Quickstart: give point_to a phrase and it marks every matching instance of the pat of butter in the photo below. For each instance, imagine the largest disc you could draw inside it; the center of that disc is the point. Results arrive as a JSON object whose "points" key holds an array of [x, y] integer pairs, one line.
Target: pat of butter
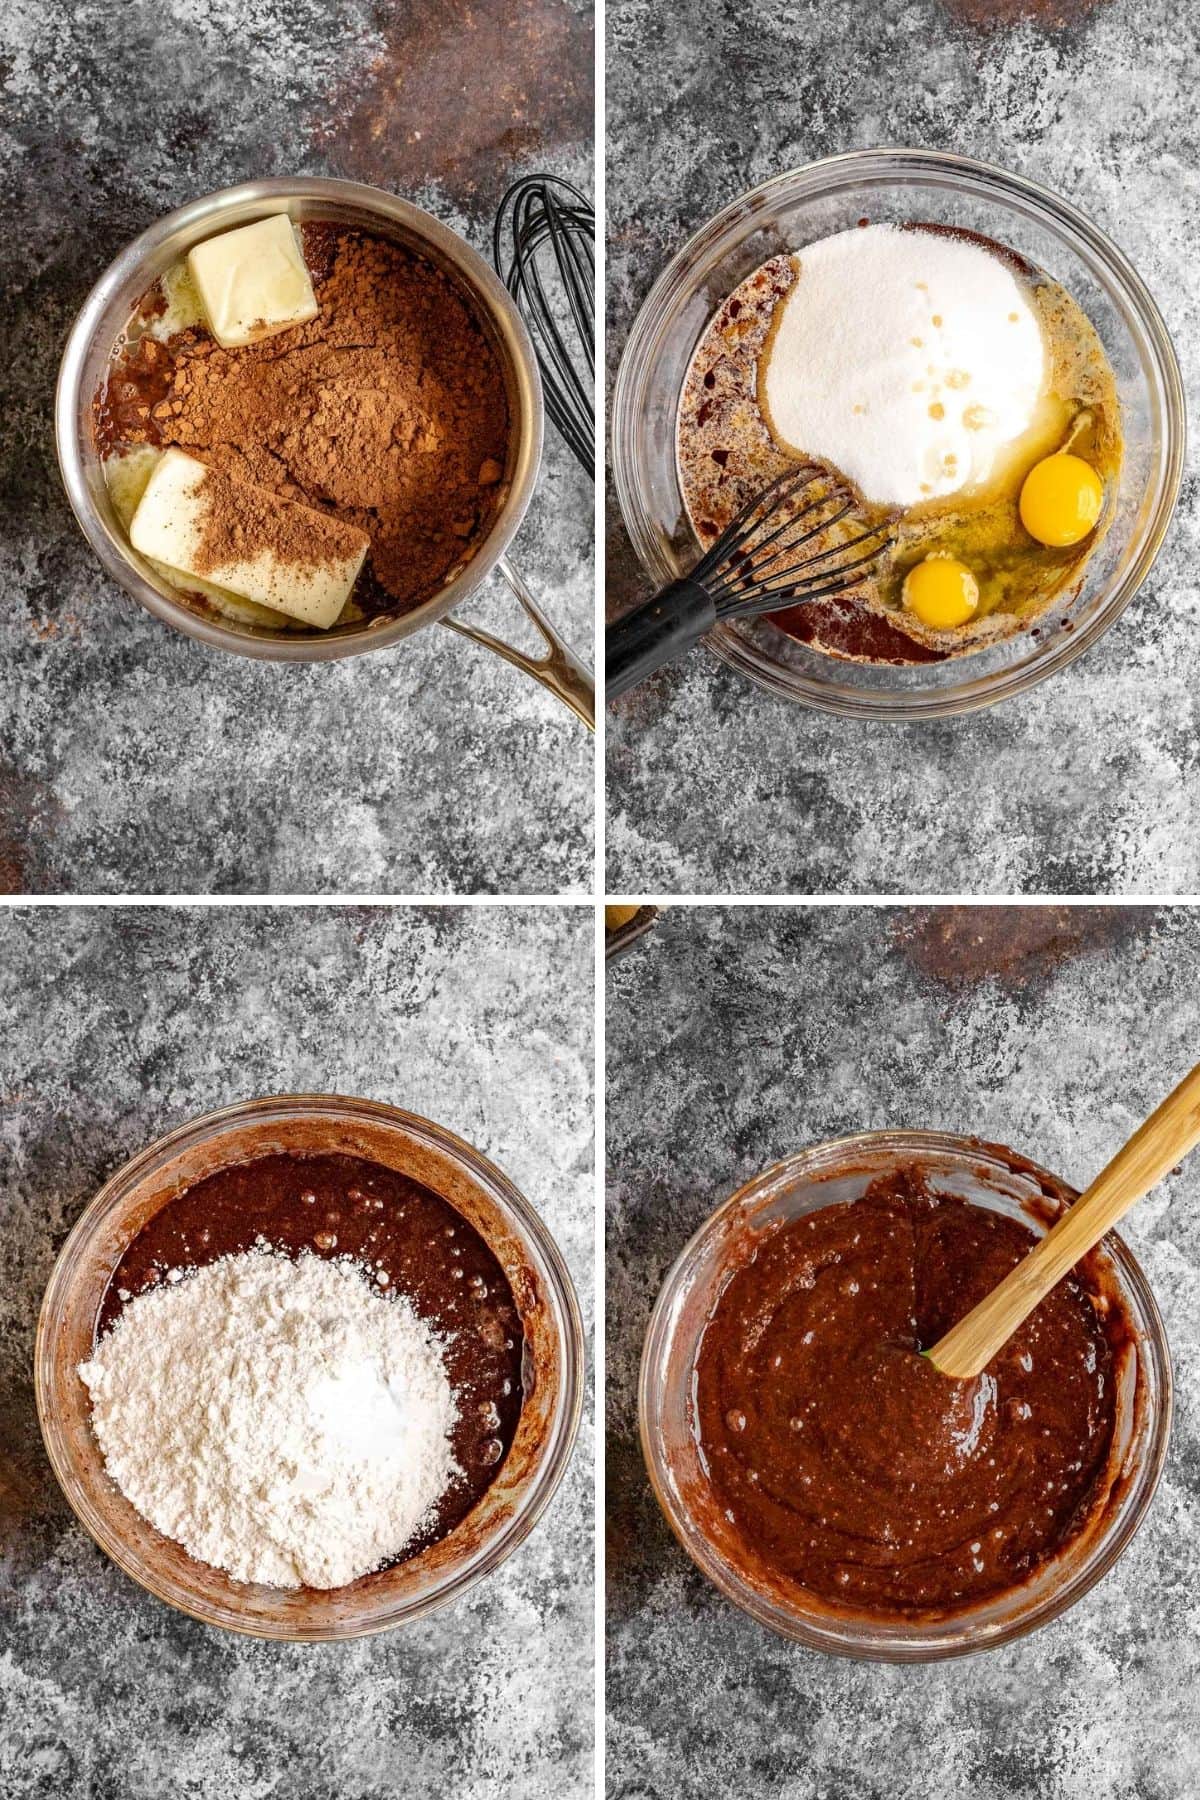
{"points": [[253, 282], [173, 522]]}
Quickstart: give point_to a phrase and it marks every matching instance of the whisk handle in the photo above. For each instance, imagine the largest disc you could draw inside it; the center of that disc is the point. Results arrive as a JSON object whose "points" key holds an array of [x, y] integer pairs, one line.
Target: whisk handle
{"points": [[655, 634]]}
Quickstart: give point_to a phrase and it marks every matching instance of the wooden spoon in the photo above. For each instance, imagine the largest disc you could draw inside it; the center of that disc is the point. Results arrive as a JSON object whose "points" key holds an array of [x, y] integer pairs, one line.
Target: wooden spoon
{"points": [[1168, 1134]]}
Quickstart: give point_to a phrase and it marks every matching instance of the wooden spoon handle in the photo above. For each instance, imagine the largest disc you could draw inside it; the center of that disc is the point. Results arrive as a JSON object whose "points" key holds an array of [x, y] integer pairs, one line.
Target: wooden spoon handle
{"points": [[1167, 1135]]}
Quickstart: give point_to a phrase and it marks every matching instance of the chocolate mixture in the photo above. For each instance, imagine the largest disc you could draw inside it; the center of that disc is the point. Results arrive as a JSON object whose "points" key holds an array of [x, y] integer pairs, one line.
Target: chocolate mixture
{"points": [[847, 1465], [345, 1206], [388, 410]]}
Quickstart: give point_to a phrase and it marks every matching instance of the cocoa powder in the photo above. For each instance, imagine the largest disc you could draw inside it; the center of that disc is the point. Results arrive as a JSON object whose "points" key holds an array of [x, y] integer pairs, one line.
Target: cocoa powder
{"points": [[389, 410], [240, 520]]}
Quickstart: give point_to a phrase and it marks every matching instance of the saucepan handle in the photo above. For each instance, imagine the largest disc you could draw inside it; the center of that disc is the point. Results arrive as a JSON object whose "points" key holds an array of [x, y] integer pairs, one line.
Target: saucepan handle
{"points": [[559, 669]]}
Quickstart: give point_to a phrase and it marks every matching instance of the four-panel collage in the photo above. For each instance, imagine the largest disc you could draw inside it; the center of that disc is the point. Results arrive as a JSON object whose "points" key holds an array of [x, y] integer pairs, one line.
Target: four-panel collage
{"points": [[635, 1247]]}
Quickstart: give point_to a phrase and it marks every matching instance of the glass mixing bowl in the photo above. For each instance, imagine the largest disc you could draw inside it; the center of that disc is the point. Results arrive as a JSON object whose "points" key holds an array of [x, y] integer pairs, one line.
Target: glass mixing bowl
{"points": [[987, 1175], [324, 1124], [894, 186]]}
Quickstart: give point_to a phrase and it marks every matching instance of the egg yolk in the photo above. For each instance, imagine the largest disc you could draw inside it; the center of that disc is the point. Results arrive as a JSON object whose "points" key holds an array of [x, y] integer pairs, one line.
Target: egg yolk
{"points": [[941, 591], [616, 916], [1061, 499]]}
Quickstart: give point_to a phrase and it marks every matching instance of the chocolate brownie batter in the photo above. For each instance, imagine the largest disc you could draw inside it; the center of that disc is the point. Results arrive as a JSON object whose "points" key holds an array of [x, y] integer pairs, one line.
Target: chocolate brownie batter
{"points": [[848, 1466], [337, 1206]]}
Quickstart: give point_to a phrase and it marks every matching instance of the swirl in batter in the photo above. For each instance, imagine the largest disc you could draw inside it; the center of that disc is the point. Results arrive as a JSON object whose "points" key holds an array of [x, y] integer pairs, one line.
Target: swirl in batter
{"points": [[845, 1464]]}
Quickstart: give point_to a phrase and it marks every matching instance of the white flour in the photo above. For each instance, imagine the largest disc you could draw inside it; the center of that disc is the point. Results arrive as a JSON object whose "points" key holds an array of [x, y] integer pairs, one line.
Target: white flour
{"points": [[282, 1420]]}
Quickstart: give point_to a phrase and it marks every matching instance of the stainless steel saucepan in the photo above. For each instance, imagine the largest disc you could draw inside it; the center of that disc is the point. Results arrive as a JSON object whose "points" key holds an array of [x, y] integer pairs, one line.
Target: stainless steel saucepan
{"points": [[105, 314]]}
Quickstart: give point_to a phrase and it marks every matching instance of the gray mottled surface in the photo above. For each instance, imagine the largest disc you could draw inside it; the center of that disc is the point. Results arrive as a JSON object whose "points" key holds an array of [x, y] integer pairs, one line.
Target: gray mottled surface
{"points": [[118, 1024], [131, 759], [1087, 784], [738, 1035]]}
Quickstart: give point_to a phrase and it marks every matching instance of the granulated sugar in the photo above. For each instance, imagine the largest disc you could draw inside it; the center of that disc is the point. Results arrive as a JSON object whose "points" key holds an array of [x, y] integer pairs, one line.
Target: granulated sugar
{"points": [[906, 359], [281, 1419]]}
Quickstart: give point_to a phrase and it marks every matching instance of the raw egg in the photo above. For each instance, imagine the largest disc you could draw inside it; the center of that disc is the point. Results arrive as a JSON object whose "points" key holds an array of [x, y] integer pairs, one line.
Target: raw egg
{"points": [[941, 591], [1061, 499]]}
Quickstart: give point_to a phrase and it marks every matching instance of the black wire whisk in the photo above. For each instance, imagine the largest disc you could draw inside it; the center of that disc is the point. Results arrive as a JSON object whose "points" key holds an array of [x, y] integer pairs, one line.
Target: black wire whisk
{"points": [[543, 245], [803, 538]]}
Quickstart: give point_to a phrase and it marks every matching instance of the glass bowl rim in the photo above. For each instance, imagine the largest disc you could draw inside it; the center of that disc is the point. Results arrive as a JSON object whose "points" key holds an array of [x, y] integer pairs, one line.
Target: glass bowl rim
{"points": [[561, 1297], [832, 174], [858, 1643]]}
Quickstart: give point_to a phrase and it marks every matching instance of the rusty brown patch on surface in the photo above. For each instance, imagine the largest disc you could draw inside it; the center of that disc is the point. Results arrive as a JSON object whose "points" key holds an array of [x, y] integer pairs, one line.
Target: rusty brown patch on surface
{"points": [[28, 815], [1051, 15], [463, 90], [1014, 945], [20, 1496]]}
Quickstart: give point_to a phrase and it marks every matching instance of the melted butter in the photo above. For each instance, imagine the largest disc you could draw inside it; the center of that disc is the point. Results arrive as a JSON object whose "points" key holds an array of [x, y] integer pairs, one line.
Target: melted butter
{"points": [[183, 304]]}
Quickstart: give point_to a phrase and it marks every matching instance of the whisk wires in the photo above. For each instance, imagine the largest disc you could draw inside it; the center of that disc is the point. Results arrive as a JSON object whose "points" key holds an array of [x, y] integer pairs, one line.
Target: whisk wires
{"points": [[543, 245], [801, 538]]}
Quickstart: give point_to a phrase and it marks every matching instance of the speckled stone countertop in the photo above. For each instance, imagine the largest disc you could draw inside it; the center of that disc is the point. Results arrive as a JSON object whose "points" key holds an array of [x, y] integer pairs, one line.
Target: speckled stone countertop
{"points": [[133, 760], [116, 1025], [1086, 784], [736, 1035]]}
